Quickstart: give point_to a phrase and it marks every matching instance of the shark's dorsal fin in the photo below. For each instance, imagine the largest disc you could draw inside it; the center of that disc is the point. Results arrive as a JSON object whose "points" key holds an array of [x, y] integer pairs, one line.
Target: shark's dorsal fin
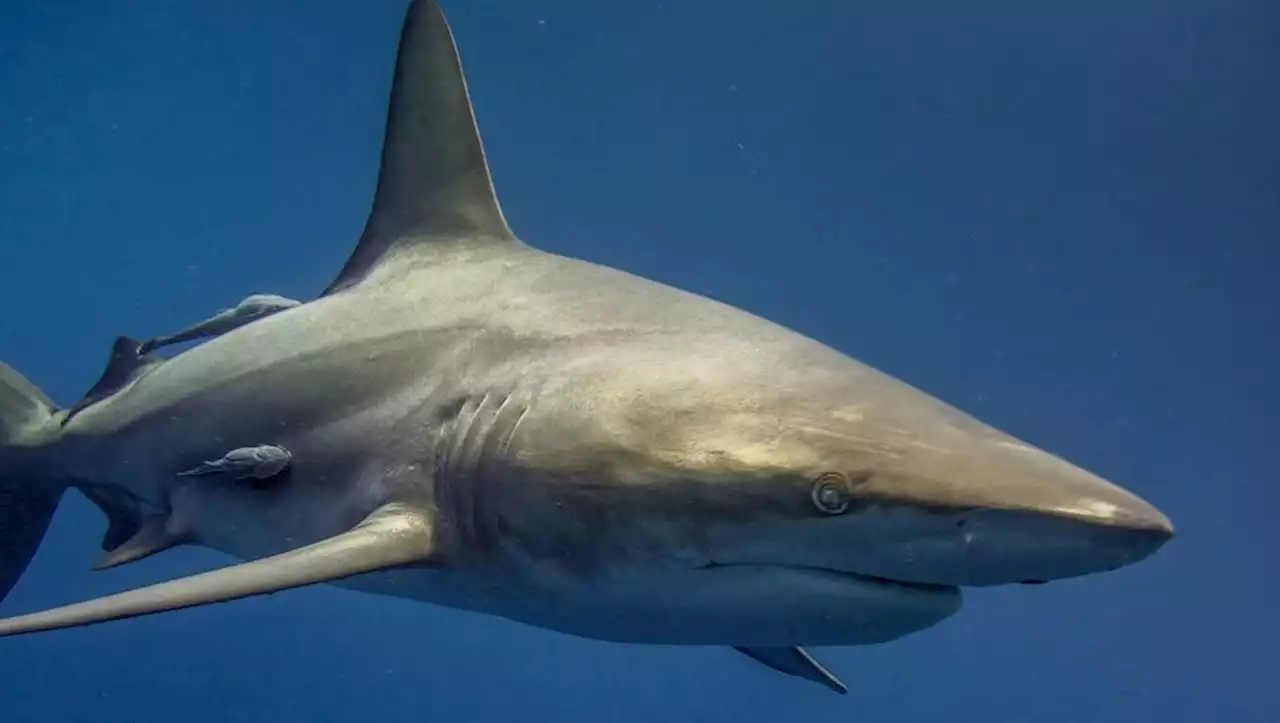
{"points": [[126, 364], [393, 535], [434, 185]]}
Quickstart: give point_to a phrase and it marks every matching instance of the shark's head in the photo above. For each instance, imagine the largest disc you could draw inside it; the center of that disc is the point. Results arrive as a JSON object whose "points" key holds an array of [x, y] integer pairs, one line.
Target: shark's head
{"points": [[772, 450]]}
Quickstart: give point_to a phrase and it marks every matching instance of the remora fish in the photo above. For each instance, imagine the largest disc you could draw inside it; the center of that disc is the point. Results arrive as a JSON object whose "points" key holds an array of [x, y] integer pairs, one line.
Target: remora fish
{"points": [[475, 423]]}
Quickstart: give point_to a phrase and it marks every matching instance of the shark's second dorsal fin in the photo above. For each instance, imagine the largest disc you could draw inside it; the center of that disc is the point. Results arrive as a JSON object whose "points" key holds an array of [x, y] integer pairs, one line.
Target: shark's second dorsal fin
{"points": [[434, 185], [126, 364]]}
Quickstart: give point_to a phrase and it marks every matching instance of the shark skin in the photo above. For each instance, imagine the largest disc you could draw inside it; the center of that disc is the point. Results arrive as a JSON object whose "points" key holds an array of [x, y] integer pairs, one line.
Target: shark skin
{"points": [[478, 424]]}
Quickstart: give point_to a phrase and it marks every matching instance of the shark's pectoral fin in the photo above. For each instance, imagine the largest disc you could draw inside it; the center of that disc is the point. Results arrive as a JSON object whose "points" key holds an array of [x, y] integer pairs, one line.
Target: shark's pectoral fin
{"points": [[393, 535], [153, 535], [795, 661], [261, 462]]}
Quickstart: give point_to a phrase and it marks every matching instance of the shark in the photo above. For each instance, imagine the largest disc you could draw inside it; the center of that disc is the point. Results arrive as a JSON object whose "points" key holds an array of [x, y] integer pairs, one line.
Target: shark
{"points": [[463, 419]]}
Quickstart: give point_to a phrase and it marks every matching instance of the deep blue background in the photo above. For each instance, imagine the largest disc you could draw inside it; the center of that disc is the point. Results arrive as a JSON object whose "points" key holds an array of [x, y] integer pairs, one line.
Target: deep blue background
{"points": [[1061, 217]]}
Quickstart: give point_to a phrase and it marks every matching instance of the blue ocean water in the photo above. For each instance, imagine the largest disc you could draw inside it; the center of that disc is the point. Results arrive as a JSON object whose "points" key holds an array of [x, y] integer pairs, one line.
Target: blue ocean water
{"points": [[1061, 217]]}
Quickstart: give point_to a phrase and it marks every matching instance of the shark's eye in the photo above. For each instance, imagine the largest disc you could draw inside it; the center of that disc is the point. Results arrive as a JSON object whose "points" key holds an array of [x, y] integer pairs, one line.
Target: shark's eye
{"points": [[829, 494]]}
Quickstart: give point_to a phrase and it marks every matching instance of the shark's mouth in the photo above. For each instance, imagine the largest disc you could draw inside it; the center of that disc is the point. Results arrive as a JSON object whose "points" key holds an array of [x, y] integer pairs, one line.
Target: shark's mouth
{"points": [[936, 587], [809, 605], [856, 577]]}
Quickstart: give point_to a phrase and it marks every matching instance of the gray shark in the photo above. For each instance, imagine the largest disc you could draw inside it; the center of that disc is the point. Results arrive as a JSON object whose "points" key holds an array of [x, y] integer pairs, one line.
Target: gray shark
{"points": [[475, 423]]}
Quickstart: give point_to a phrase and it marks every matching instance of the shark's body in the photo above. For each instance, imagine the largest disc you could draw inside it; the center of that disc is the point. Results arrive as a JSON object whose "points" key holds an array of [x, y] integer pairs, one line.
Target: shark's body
{"points": [[389, 394], [479, 424]]}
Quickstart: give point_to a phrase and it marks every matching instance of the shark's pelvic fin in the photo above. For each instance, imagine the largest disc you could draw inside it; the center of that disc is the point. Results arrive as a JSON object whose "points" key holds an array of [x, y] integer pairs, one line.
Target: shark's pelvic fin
{"points": [[127, 363], [393, 535], [154, 535], [131, 534], [123, 519], [261, 462], [434, 185], [254, 307], [795, 661]]}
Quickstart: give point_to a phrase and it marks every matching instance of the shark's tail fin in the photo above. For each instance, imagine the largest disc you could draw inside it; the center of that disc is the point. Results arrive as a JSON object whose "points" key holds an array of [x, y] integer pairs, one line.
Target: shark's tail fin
{"points": [[26, 505]]}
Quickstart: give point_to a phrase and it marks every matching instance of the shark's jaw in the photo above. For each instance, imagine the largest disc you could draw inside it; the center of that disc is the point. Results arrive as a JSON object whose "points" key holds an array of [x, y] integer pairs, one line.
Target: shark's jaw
{"points": [[819, 606], [901, 607], [943, 548], [852, 578], [728, 605], [827, 600]]}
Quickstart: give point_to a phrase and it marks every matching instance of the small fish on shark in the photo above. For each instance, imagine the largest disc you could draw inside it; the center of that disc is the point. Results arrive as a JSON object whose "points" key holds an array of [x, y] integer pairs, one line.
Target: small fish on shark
{"points": [[259, 462], [462, 419], [254, 307]]}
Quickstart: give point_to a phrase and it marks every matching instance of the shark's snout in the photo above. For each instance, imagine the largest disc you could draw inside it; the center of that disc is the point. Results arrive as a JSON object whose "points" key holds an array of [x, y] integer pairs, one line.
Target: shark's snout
{"points": [[1002, 547], [971, 506], [1057, 521]]}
